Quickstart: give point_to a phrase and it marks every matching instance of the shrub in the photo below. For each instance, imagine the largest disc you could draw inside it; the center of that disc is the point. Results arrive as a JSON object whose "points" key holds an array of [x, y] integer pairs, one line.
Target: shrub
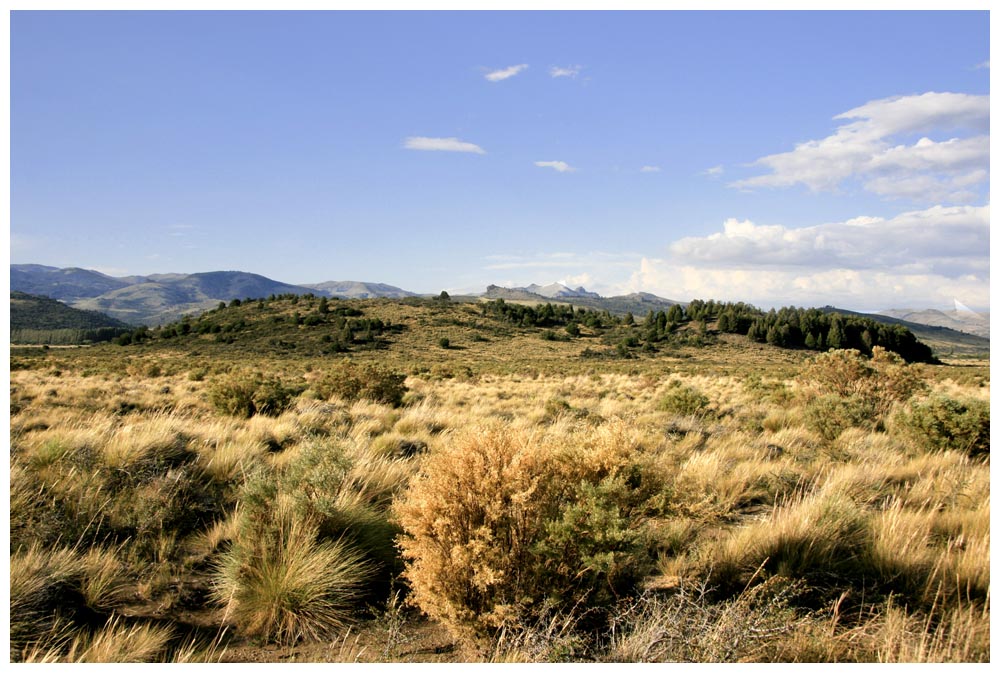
{"points": [[941, 422], [444, 342], [244, 394], [502, 528], [683, 400], [830, 415], [352, 382], [878, 383]]}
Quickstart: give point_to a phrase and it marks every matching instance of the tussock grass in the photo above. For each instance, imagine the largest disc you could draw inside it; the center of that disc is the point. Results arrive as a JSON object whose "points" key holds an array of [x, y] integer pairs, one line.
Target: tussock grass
{"points": [[40, 580], [818, 538], [289, 586], [118, 642]]}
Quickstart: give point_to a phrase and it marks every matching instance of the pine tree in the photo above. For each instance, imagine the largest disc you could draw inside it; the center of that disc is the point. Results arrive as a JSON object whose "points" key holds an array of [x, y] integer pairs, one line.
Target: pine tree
{"points": [[836, 338]]}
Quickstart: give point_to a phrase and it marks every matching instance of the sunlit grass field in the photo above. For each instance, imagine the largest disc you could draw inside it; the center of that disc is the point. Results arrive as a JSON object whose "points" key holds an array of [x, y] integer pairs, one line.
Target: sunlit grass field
{"points": [[504, 498]]}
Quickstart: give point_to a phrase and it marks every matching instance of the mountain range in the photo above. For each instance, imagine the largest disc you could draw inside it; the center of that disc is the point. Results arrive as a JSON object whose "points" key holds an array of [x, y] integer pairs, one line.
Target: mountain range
{"points": [[161, 298]]}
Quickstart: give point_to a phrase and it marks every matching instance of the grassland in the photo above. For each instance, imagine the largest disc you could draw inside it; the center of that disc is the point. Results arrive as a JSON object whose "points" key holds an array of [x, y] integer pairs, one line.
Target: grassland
{"points": [[509, 497]]}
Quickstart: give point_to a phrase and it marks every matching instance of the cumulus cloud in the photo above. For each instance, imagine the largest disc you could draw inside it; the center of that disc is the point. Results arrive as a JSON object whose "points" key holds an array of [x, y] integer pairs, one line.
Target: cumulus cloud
{"points": [[650, 169], [845, 288], [559, 166], [441, 145], [949, 241], [919, 258], [713, 172], [568, 71], [505, 73], [872, 148]]}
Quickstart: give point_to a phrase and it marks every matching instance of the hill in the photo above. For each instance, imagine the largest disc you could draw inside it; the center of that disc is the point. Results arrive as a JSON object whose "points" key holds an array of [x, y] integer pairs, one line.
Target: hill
{"points": [[418, 334], [960, 321], [944, 341], [36, 319]]}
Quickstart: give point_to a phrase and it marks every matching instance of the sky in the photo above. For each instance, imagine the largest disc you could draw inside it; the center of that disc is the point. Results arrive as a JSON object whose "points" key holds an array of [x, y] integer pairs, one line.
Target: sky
{"points": [[806, 158]]}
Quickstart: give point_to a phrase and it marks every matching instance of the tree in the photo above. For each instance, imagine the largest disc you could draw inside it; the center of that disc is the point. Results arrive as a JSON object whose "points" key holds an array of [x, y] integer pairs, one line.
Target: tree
{"points": [[836, 337], [444, 296]]}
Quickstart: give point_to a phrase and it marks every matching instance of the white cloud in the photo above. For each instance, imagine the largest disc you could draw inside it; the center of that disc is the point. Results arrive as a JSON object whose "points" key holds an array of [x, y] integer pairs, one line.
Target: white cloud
{"points": [[441, 145], [845, 288], [505, 73], [650, 169], [713, 172], [559, 166], [568, 71], [949, 241], [918, 258], [984, 65], [584, 280], [862, 149]]}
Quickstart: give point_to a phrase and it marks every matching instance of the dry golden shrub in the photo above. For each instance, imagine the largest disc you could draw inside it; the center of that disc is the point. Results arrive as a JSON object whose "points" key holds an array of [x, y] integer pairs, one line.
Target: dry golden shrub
{"points": [[502, 527]]}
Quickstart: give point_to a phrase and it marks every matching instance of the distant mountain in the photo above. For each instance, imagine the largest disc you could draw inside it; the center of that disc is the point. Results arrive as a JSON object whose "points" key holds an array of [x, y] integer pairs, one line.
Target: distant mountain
{"points": [[350, 289], [161, 298], [558, 291], [170, 296], [961, 321], [62, 284], [637, 303]]}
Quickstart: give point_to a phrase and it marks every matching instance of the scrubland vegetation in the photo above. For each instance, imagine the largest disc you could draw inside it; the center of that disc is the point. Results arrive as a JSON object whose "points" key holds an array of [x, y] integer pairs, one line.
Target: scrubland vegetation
{"points": [[378, 496]]}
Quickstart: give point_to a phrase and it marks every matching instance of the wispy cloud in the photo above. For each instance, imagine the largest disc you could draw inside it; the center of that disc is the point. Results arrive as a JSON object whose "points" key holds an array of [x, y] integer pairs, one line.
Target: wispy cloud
{"points": [[650, 169], [568, 71], [559, 166], [985, 65], [864, 149], [713, 172], [505, 73], [441, 145]]}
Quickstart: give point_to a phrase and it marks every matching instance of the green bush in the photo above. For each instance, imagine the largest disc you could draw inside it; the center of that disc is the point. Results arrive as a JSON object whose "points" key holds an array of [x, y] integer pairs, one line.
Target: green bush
{"points": [[245, 394], [941, 422], [830, 415], [683, 400], [350, 382], [878, 382]]}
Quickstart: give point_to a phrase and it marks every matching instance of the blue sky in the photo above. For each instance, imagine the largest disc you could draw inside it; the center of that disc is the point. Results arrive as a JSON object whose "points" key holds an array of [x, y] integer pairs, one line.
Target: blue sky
{"points": [[774, 157]]}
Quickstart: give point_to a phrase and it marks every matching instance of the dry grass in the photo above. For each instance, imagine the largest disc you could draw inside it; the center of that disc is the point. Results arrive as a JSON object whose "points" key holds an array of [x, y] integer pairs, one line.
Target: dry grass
{"points": [[289, 586], [132, 484]]}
